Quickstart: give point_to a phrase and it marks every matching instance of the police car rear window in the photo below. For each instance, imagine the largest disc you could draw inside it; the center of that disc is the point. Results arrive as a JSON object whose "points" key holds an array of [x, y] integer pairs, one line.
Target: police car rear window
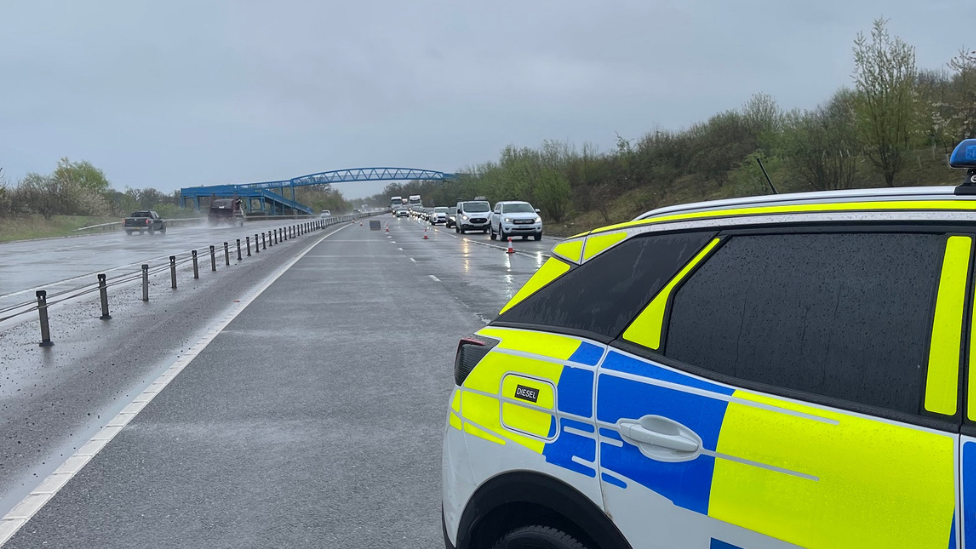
{"points": [[604, 295], [840, 315]]}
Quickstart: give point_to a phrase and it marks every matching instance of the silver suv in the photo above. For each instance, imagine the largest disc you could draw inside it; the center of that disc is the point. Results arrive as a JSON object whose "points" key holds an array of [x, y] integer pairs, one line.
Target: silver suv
{"points": [[515, 218]]}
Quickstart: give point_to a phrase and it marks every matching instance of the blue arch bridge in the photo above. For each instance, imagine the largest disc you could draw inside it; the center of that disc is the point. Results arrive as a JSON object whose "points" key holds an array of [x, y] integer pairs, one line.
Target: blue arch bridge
{"points": [[271, 197]]}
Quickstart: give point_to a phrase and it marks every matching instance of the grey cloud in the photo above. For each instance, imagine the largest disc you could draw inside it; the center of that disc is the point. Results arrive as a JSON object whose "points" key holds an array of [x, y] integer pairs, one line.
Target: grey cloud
{"points": [[170, 94]]}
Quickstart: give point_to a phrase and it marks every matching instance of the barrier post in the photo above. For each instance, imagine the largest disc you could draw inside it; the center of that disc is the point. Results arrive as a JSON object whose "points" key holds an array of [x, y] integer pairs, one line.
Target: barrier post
{"points": [[103, 295], [257, 249], [264, 243], [42, 315], [172, 270], [238, 249], [226, 255], [213, 259], [248, 240], [196, 270], [145, 282]]}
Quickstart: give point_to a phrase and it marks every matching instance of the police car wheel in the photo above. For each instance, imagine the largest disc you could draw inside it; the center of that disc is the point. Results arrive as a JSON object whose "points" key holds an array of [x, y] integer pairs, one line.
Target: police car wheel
{"points": [[538, 537]]}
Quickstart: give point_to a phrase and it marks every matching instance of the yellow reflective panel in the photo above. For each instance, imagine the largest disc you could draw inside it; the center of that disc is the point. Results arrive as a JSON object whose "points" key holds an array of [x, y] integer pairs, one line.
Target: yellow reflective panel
{"points": [[569, 250], [540, 343], [455, 422], [485, 409], [875, 484], [596, 244], [550, 270], [530, 414], [942, 380], [893, 205], [646, 328], [971, 413], [520, 418], [456, 401]]}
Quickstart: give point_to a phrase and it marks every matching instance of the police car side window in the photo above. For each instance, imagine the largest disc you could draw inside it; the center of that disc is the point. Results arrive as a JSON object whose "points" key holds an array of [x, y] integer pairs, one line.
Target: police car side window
{"points": [[604, 294], [846, 316]]}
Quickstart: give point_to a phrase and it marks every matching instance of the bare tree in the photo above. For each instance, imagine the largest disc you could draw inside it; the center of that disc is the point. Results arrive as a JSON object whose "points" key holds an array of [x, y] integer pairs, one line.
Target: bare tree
{"points": [[885, 81]]}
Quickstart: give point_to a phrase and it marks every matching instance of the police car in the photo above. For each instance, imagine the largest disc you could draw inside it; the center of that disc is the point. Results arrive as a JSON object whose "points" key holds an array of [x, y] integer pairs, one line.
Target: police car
{"points": [[763, 373]]}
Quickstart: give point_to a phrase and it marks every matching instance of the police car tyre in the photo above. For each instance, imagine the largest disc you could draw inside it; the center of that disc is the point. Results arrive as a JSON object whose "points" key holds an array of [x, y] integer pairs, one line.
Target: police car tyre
{"points": [[163, 230], [128, 232], [152, 230], [538, 537]]}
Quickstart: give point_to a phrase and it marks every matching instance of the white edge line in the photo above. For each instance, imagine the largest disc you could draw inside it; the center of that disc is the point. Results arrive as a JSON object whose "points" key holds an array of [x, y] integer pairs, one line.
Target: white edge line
{"points": [[23, 511], [434, 278]]}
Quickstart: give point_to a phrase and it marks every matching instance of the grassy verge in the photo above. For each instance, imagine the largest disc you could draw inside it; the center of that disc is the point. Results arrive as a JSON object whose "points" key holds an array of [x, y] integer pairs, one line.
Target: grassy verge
{"points": [[25, 227], [922, 169]]}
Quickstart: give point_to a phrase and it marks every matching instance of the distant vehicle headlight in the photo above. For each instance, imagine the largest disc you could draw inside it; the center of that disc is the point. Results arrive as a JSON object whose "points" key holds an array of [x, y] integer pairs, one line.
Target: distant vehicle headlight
{"points": [[464, 217], [508, 220], [538, 219]]}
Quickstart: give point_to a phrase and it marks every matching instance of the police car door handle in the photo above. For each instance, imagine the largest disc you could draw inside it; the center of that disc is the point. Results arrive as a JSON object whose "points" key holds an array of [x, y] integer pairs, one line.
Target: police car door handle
{"points": [[660, 432]]}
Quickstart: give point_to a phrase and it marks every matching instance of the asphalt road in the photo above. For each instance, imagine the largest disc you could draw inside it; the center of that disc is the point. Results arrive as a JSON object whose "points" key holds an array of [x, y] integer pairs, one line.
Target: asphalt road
{"points": [[313, 419], [57, 264]]}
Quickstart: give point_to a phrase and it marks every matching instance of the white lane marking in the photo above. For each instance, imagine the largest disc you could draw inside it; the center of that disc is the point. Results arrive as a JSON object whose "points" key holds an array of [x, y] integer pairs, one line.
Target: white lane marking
{"points": [[412, 259], [434, 278], [401, 249], [30, 505]]}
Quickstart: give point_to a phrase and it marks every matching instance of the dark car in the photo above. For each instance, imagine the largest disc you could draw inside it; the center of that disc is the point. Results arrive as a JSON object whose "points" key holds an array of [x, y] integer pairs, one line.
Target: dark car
{"points": [[144, 220], [226, 211]]}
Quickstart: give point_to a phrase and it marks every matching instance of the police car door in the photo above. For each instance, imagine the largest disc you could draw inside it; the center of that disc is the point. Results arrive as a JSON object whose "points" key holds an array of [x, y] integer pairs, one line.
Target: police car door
{"points": [[791, 390]]}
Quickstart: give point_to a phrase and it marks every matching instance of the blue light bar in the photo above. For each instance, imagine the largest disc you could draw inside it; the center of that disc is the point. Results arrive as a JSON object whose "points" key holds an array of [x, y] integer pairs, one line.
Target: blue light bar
{"points": [[965, 155]]}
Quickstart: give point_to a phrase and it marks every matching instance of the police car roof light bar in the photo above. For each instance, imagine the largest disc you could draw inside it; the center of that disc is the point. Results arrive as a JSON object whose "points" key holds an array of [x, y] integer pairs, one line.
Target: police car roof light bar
{"points": [[964, 157]]}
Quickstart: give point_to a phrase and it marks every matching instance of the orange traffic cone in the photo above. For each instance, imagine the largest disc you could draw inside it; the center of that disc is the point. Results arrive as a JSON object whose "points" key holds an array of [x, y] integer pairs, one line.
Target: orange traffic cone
{"points": [[387, 227], [360, 223], [511, 250], [425, 233]]}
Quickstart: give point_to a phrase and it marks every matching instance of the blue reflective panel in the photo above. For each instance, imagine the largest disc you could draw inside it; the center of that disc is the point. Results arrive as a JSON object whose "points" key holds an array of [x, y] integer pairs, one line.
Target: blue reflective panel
{"points": [[965, 155]]}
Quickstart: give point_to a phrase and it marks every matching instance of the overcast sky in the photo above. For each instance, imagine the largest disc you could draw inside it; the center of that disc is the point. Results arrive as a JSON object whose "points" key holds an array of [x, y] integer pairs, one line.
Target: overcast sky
{"points": [[178, 93]]}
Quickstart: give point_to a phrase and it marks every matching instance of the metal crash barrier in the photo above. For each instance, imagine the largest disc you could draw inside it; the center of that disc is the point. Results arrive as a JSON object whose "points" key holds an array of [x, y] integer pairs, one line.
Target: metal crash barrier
{"points": [[145, 272]]}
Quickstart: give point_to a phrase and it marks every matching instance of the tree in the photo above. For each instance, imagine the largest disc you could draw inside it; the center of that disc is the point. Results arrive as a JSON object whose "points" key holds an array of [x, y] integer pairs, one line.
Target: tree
{"points": [[963, 94], [82, 174], [44, 195], [553, 193], [822, 144], [885, 76]]}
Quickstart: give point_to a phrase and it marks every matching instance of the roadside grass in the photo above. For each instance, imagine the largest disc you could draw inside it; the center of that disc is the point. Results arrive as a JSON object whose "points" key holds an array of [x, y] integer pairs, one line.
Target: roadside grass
{"points": [[26, 227]]}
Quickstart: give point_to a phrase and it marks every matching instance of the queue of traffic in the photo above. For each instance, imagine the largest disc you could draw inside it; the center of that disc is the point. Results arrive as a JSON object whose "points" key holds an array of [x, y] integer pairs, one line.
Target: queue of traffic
{"points": [[507, 219]]}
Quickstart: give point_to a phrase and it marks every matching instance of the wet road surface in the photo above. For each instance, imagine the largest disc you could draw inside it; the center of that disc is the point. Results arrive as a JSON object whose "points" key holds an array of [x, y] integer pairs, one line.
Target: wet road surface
{"points": [[57, 264], [312, 419]]}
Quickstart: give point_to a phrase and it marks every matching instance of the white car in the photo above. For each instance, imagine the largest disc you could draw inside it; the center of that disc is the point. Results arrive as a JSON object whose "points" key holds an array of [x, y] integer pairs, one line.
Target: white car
{"points": [[325, 213], [514, 218], [438, 215]]}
